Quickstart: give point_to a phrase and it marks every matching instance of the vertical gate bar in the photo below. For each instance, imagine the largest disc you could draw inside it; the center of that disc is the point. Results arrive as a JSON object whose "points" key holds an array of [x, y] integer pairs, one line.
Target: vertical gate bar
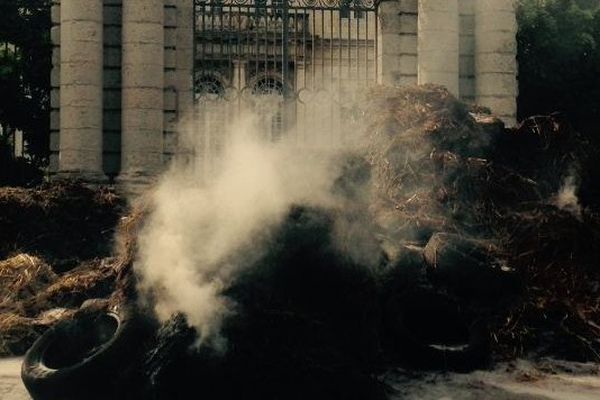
{"points": [[304, 28], [209, 145], [349, 47], [266, 67], [256, 41], [238, 54], [230, 44], [340, 75], [203, 54], [305, 72], [237, 58], [220, 31], [330, 47], [296, 88], [271, 26], [206, 132], [321, 54], [285, 60], [274, 35], [192, 162], [277, 48], [313, 36], [229, 47], [205, 37], [195, 49], [340, 63], [322, 46], [276, 123], [358, 47], [266, 41], [376, 49], [368, 15], [295, 79], [274, 38], [214, 38], [331, 74]]}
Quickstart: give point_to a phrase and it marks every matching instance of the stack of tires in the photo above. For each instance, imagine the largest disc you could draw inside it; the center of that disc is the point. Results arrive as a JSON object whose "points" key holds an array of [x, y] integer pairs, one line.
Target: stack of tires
{"points": [[437, 305]]}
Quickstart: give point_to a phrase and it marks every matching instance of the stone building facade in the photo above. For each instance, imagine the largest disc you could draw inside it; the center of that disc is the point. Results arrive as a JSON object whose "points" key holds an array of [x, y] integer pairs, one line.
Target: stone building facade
{"points": [[126, 72]]}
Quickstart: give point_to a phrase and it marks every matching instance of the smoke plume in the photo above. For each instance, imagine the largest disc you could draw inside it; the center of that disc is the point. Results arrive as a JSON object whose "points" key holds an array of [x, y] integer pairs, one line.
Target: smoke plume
{"points": [[203, 230], [567, 198]]}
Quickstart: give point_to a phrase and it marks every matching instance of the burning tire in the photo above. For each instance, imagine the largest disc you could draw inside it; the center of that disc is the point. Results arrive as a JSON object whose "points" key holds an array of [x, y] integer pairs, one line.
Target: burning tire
{"points": [[430, 331], [469, 268], [84, 357]]}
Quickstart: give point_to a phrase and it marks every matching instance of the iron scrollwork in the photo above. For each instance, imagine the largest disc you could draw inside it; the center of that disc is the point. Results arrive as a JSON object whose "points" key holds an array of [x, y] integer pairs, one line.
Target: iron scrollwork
{"points": [[322, 4]]}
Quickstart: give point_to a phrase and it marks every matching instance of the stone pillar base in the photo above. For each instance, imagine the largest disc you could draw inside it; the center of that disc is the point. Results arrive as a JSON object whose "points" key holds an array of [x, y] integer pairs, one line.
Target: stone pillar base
{"points": [[89, 177], [134, 184]]}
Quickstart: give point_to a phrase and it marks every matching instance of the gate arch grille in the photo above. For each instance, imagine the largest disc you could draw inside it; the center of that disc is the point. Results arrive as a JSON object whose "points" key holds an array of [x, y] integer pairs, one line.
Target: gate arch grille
{"points": [[308, 54]]}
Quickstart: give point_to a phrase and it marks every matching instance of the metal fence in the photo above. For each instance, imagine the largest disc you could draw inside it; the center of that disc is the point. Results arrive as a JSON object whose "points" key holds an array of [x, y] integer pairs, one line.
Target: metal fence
{"points": [[288, 61]]}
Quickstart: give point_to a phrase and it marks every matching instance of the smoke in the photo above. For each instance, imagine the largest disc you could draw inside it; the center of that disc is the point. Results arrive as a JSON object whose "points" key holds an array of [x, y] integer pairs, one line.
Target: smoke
{"points": [[567, 198], [202, 230]]}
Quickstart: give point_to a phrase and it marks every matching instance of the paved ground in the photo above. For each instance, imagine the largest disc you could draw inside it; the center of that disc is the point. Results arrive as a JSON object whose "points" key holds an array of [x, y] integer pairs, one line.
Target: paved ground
{"points": [[11, 387], [521, 381]]}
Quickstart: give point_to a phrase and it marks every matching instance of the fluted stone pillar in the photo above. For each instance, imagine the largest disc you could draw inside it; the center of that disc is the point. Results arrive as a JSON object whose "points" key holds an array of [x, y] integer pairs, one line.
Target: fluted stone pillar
{"points": [[81, 89], [495, 57], [397, 42], [438, 43], [185, 58], [142, 91]]}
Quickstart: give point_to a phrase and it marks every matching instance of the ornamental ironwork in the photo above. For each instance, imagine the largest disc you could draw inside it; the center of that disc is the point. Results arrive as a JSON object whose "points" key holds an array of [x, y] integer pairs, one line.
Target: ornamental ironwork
{"points": [[284, 59], [292, 4]]}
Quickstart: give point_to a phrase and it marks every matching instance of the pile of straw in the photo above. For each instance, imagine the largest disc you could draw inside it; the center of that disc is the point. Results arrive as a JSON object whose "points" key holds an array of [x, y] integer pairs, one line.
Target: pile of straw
{"points": [[440, 166]]}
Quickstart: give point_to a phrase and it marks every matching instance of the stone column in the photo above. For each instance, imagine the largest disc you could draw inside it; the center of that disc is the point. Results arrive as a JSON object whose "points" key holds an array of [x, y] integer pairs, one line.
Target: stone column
{"points": [[395, 26], [185, 58], [142, 91], [495, 57], [438, 43], [81, 92]]}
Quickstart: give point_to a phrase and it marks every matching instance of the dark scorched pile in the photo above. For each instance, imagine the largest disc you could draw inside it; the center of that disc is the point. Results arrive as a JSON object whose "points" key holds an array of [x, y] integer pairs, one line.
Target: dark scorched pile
{"points": [[467, 218], [469, 224]]}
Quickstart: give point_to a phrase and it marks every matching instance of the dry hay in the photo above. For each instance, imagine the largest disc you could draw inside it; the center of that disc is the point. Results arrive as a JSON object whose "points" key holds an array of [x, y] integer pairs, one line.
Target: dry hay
{"points": [[127, 246], [22, 277], [89, 280], [17, 333], [430, 157], [557, 256], [59, 221], [34, 297], [30, 289], [33, 294], [439, 166]]}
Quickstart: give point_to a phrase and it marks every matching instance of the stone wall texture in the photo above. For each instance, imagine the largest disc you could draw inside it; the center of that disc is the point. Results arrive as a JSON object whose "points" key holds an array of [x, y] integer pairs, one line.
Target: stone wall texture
{"points": [[122, 76], [121, 80]]}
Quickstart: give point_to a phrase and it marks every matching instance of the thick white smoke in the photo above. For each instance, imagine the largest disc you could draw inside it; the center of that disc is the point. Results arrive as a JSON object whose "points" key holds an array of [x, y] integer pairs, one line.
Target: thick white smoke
{"points": [[201, 231], [567, 198]]}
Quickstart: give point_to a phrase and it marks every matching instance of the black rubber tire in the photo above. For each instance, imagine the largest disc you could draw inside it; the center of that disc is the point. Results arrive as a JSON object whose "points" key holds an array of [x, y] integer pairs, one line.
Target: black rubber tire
{"points": [[91, 372], [467, 267], [437, 315]]}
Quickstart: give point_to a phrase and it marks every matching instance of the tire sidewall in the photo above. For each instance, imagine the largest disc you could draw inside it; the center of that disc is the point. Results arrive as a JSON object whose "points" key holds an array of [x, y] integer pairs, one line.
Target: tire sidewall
{"points": [[411, 349], [95, 375]]}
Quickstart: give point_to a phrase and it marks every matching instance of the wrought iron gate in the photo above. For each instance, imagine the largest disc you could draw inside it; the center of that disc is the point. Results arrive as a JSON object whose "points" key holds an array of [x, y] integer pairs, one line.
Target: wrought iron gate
{"points": [[288, 59]]}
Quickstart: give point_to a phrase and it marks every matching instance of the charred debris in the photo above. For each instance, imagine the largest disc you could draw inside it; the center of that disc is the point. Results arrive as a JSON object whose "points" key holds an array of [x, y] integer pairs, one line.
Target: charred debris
{"points": [[488, 247]]}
